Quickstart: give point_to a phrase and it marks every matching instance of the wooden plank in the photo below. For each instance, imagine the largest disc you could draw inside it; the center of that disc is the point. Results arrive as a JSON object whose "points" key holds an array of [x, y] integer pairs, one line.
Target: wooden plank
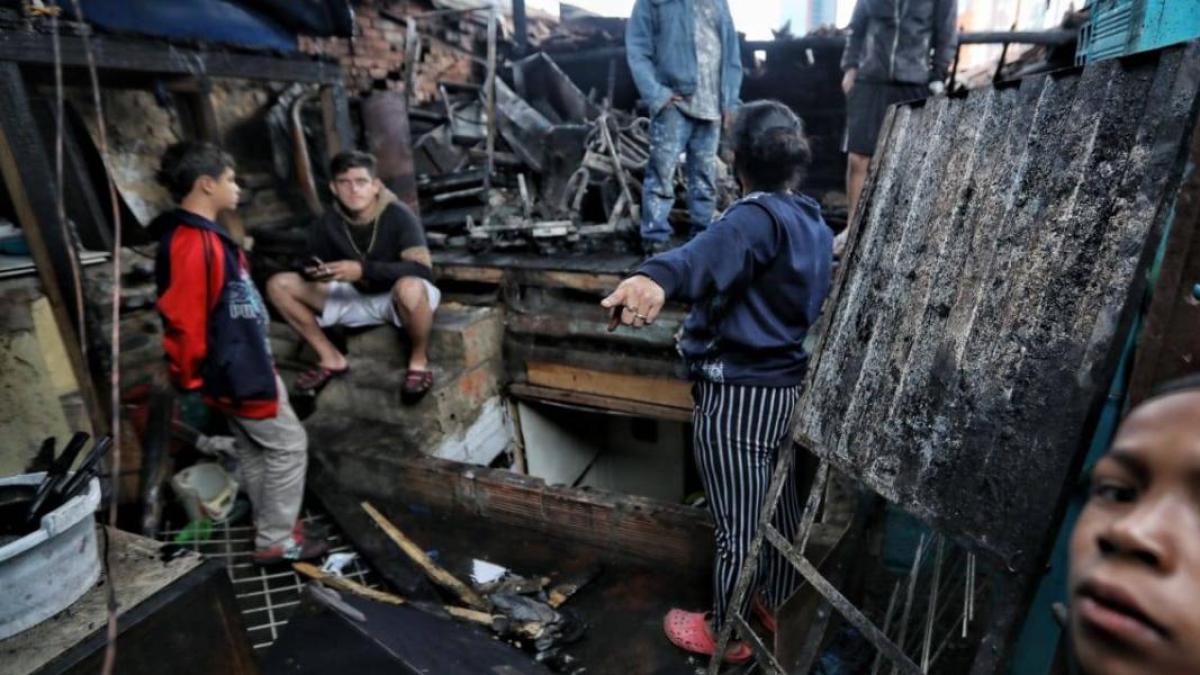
{"points": [[591, 282], [654, 390], [557, 325], [1168, 347], [592, 263], [481, 275], [581, 281], [603, 403], [434, 571], [519, 350], [349, 585]]}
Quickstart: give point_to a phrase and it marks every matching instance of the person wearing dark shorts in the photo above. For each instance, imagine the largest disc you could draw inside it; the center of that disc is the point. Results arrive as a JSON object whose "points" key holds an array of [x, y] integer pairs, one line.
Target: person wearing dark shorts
{"points": [[898, 50], [866, 106]]}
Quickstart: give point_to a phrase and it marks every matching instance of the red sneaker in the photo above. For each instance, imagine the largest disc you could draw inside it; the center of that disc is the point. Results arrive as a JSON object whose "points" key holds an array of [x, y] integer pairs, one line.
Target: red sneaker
{"points": [[296, 548], [690, 631]]}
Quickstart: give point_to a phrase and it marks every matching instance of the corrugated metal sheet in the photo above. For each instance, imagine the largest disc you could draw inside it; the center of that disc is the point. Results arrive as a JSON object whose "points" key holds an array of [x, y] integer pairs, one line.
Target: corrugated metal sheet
{"points": [[998, 259]]}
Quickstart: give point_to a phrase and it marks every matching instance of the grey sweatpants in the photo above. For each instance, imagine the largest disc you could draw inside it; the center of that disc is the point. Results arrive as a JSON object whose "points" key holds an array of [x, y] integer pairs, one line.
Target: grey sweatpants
{"points": [[273, 454]]}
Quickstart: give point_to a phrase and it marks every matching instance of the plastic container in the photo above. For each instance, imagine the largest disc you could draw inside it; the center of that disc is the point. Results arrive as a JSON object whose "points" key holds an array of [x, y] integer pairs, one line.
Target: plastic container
{"points": [[206, 491], [47, 570]]}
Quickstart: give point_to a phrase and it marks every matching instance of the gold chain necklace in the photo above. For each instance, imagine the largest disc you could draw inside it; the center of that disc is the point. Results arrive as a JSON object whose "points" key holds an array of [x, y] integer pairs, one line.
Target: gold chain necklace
{"points": [[374, 233]]}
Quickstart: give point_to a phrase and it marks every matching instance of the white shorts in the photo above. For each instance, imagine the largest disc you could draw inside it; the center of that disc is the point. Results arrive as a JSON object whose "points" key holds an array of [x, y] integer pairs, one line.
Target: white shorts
{"points": [[346, 306]]}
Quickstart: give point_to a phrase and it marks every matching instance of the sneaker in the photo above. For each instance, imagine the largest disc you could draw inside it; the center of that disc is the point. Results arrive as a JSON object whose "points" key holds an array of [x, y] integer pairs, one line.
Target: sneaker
{"points": [[304, 529], [296, 548]]}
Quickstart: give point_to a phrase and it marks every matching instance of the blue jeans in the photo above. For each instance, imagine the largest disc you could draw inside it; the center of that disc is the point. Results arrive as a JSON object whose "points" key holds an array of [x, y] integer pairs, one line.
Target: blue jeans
{"points": [[672, 132]]}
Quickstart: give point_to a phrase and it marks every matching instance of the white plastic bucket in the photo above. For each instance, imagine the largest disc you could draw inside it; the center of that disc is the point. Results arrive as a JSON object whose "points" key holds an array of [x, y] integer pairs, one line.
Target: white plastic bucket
{"points": [[47, 570], [206, 491]]}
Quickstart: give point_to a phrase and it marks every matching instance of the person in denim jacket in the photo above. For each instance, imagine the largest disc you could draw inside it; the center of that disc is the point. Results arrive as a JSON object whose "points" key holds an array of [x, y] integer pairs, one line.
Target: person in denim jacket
{"points": [[686, 62]]}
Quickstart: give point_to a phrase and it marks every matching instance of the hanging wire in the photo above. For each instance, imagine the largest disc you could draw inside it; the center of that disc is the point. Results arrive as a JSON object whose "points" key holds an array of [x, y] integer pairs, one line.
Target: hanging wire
{"points": [[110, 649], [69, 237]]}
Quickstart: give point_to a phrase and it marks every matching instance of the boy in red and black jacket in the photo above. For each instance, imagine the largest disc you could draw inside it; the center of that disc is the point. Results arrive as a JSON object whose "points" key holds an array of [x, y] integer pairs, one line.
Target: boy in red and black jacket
{"points": [[215, 339]]}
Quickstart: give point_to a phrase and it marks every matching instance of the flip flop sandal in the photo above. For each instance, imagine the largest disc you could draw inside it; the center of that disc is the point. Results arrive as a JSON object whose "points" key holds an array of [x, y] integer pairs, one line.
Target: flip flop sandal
{"points": [[689, 631], [417, 383], [765, 615], [313, 381]]}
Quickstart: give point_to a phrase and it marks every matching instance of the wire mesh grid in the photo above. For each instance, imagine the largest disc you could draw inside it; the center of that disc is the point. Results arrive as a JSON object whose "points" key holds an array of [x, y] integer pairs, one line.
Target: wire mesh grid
{"points": [[268, 596]]}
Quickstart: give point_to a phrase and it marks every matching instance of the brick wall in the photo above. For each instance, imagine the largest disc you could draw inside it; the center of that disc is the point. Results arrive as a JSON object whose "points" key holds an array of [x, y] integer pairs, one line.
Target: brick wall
{"points": [[377, 51]]}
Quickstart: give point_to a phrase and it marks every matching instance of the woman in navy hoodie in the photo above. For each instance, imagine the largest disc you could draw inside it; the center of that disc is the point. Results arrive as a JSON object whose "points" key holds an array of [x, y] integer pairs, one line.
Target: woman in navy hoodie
{"points": [[756, 279]]}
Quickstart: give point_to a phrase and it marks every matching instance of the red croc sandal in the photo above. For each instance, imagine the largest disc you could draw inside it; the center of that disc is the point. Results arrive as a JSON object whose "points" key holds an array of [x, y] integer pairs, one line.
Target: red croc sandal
{"points": [[765, 616], [689, 631], [417, 383], [313, 381]]}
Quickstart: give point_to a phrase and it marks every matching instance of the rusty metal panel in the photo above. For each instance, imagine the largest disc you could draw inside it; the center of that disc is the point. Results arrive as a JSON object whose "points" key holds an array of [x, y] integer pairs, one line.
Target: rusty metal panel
{"points": [[1169, 345], [385, 117], [998, 259]]}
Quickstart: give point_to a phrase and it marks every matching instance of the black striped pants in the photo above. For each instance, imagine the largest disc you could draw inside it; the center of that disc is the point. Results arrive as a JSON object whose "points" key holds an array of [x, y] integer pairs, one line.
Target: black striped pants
{"points": [[737, 432]]}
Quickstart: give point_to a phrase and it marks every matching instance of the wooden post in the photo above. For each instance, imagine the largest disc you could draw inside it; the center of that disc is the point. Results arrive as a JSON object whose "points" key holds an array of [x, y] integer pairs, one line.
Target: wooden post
{"points": [[435, 572], [30, 181], [209, 129]]}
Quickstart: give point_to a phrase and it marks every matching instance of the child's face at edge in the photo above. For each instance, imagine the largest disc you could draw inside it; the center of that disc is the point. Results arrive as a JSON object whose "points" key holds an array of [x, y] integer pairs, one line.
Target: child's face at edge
{"points": [[1135, 552]]}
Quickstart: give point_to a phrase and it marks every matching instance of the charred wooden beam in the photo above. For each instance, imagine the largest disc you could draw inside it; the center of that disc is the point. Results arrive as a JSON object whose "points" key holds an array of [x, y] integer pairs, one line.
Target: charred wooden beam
{"points": [[572, 398], [82, 204], [162, 58], [27, 173], [519, 350]]}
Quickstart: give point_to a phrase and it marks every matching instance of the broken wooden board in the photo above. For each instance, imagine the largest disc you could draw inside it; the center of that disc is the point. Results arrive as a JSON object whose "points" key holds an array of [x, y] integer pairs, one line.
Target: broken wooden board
{"points": [[1000, 251], [629, 528], [654, 555]]}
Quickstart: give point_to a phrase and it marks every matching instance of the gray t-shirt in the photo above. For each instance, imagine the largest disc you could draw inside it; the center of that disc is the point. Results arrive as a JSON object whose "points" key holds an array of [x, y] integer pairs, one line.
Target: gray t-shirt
{"points": [[705, 104]]}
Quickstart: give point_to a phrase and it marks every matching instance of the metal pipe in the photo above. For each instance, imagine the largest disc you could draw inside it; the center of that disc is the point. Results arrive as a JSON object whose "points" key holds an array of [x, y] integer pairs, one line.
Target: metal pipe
{"points": [[1051, 38], [520, 26], [490, 98]]}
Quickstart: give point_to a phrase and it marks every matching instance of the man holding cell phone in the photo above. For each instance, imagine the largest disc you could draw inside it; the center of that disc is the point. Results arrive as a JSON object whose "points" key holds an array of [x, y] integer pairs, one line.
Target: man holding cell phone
{"points": [[367, 264]]}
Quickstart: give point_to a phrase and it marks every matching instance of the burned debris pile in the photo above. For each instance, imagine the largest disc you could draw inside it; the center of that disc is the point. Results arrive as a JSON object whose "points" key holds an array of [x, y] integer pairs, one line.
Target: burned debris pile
{"points": [[558, 170]]}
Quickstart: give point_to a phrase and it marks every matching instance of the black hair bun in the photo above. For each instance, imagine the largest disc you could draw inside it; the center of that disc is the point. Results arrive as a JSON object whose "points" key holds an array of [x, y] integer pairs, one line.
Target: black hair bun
{"points": [[771, 150]]}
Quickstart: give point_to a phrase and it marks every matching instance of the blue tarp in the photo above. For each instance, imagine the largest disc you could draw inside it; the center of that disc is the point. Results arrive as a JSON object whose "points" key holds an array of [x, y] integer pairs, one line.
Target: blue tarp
{"points": [[222, 21]]}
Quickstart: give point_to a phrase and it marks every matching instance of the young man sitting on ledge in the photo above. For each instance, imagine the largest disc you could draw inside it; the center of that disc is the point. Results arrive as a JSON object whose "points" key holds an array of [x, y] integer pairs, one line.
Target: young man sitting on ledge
{"points": [[368, 264]]}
